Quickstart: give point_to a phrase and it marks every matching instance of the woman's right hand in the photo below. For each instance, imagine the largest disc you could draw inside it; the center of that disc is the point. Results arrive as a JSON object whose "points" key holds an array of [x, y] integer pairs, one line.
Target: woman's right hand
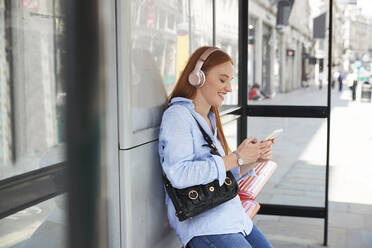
{"points": [[250, 150]]}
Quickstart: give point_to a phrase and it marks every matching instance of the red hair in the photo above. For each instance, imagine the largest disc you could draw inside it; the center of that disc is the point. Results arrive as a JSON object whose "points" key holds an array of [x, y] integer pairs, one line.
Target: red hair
{"points": [[184, 89]]}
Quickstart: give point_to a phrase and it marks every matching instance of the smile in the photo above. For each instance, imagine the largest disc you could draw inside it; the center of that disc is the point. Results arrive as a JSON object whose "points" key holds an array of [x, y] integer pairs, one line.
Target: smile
{"points": [[222, 97]]}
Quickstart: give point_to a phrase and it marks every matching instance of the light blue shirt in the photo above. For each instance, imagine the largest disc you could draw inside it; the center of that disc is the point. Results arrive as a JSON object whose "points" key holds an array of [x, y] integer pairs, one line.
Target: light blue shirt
{"points": [[186, 163]]}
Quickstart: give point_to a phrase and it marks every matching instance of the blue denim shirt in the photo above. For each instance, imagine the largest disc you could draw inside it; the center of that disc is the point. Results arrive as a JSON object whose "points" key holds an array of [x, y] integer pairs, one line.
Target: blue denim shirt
{"points": [[186, 163]]}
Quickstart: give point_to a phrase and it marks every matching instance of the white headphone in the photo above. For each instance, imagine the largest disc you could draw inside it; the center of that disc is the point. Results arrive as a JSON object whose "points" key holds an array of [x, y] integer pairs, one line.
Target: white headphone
{"points": [[197, 76]]}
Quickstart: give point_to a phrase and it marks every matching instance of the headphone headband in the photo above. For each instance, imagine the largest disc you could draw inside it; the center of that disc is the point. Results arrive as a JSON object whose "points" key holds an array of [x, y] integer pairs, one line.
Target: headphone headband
{"points": [[204, 57], [197, 76]]}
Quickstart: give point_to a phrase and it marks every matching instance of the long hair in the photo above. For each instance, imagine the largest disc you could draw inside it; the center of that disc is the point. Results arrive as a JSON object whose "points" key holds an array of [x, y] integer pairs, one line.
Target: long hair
{"points": [[184, 89]]}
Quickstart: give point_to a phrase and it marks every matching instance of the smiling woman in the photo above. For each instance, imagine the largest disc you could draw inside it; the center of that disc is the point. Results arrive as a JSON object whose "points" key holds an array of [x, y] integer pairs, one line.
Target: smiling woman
{"points": [[191, 120], [211, 64]]}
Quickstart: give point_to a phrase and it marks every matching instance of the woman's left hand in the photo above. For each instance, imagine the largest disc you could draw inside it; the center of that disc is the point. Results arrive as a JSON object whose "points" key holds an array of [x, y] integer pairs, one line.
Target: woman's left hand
{"points": [[266, 152]]}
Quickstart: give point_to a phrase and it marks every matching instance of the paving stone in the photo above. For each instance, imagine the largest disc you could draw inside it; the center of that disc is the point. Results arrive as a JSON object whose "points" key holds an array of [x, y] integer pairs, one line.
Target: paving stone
{"points": [[42, 236], [292, 232], [288, 192], [316, 194], [305, 187], [360, 209], [338, 206], [260, 217], [366, 238], [346, 220], [287, 244], [310, 181], [264, 198], [367, 221], [301, 220], [354, 239], [298, 200], [337, 237]]}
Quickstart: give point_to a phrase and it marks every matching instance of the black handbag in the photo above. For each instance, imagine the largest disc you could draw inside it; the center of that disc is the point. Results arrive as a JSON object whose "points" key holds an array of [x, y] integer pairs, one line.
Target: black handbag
{"points": [[194, 200]]}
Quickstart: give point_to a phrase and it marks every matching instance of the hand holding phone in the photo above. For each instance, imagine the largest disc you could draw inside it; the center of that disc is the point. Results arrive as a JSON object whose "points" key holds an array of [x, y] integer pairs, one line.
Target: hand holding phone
{"points": [[273, 135]]}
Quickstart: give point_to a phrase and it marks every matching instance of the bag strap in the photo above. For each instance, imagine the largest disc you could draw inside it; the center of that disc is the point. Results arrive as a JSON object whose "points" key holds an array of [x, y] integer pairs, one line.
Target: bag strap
{"points": [[207, 138], [211, 145]]}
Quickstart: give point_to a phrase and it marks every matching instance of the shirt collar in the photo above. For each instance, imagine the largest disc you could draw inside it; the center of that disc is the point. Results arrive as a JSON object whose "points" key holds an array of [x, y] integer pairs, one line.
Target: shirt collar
{"points": [[181, 100], [190, 105]]}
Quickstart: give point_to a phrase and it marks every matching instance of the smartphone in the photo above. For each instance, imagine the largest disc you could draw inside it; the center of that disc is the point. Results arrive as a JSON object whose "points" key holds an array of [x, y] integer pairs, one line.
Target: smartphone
{"points": [[274, 134]]}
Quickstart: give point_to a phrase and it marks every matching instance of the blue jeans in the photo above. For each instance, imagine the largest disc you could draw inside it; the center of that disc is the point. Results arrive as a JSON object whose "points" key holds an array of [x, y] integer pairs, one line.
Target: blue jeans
{"points": [[255, 239]]}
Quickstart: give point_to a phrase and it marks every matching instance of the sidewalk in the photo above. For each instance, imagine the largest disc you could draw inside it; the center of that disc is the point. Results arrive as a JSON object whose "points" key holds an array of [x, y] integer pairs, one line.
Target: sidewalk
{"points": [[300, 179]]}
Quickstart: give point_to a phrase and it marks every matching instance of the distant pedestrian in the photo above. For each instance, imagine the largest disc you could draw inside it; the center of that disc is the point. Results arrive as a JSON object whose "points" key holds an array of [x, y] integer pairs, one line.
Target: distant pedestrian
{"points": [[352, 80], [256, 94], [334, 78], [340, 79], [355, 84]]}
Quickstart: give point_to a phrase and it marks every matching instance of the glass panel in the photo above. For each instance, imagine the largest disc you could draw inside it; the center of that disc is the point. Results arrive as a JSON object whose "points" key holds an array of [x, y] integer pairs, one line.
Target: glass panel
{"points": [[288, 52], [32, 98], [229, 130], [163, 36], [252, 26], [300, 152], [227, 29], [201, 24], [42, 225]]}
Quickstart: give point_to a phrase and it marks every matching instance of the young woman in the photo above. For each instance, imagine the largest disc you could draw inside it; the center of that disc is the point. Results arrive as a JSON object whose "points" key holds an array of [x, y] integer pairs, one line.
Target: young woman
{"points": [[186, 162]]}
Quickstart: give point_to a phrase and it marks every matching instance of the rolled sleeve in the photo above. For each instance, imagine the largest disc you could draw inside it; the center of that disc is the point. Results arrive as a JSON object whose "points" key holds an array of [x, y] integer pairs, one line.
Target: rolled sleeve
{"points": [[236, 172], [177, 153], [252, 172], [221, 169]]}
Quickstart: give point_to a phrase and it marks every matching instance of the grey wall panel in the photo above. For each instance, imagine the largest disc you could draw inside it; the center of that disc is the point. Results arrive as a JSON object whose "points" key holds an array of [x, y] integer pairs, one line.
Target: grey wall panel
{"points": [[140, 89], [144, 217]]}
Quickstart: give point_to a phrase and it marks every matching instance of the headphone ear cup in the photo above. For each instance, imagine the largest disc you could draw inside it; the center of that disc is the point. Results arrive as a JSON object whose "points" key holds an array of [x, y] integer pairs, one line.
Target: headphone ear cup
{"points": [[202, 79], [194, 78]]}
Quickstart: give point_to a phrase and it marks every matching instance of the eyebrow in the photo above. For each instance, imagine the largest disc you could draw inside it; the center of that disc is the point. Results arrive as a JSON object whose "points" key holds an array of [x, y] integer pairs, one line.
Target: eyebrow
{"points": [[226, 75]]}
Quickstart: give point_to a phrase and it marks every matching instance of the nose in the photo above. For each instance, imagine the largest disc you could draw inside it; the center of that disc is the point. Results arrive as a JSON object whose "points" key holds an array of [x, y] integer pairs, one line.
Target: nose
{"points": [[228, 87]]}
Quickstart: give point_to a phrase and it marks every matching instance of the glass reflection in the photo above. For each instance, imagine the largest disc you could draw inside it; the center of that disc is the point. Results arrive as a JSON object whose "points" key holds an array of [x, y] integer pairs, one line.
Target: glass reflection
{"points": [[252, 25], [201, 23], [146, 77], [227, 30], [163, 36], [32, 99], [229, 130]]}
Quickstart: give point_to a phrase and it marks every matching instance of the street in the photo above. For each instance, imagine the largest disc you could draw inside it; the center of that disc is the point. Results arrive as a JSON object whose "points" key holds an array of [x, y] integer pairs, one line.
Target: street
{"points": [[300, 178]]}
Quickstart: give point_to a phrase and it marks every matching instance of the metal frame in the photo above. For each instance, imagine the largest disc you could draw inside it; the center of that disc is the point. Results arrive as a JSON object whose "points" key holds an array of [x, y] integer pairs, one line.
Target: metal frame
{"points": [[292, 210], [31, 188], [246, 110], [243, 73], [330, 34]]}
